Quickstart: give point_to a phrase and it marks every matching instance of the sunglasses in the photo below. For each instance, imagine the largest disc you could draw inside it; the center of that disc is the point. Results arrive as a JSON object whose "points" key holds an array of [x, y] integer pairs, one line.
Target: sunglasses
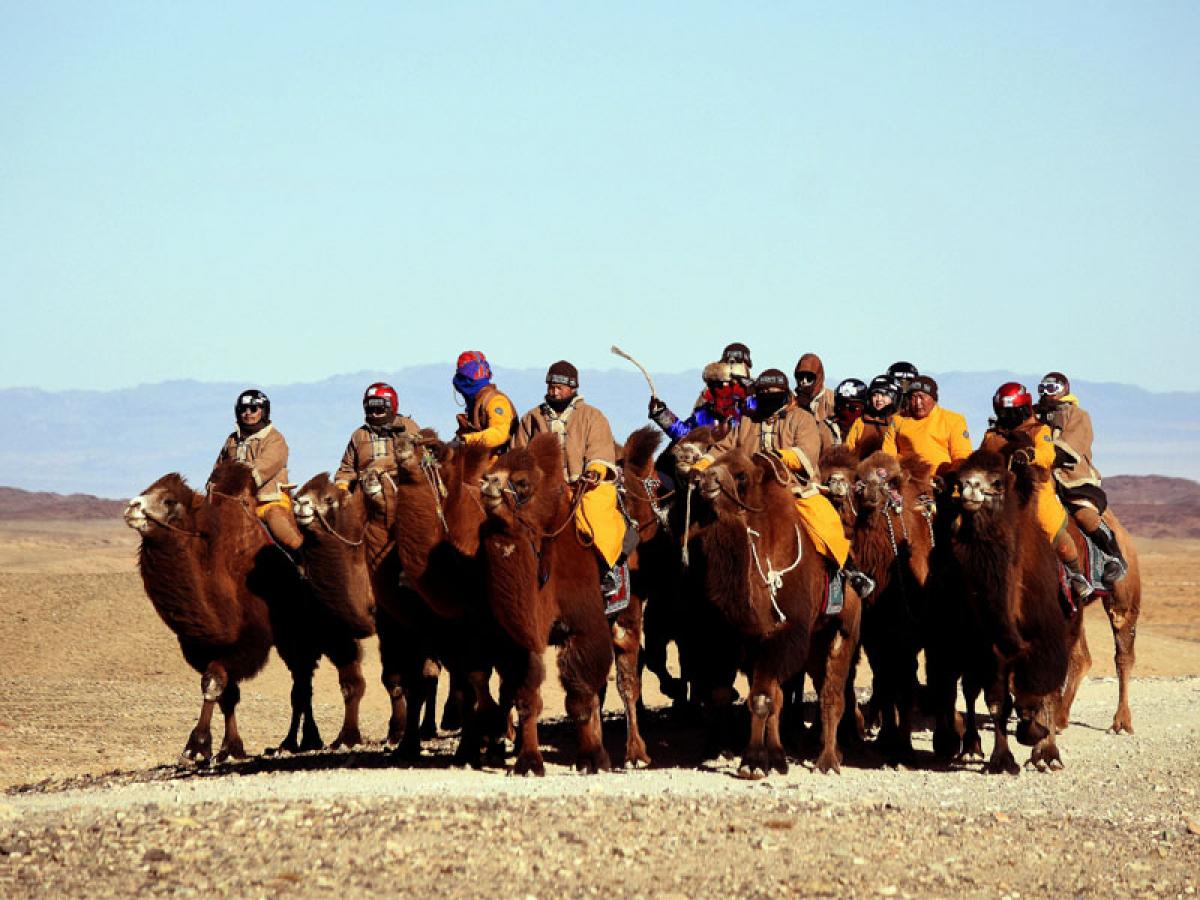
{"points": [[806, 378], [737, 356], [251, 406]]}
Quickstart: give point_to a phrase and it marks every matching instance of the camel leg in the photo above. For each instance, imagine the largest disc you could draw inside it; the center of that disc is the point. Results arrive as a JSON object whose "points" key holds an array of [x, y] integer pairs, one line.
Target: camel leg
{"points": [[303, 734], [1045, 755], [763, 689], [1078, 663], [1122, 617], [999, 705], [456, 699], [655, 629], [776, 754], [231, 744], [212, 685], [905, 695], [429, 687], [834, 670], [393, 684], [528, 700], [626, 639], [584, 709], [353, 685]]}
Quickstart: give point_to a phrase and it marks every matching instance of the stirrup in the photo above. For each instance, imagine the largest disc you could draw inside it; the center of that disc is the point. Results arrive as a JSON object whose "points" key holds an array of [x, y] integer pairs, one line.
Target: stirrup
{"points": [[1114, 570], [614, 588], [1081, 588]]}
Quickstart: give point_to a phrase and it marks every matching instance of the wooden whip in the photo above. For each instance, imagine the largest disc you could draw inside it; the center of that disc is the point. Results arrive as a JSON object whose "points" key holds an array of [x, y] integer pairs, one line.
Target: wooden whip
{"points": [[650, 381]]}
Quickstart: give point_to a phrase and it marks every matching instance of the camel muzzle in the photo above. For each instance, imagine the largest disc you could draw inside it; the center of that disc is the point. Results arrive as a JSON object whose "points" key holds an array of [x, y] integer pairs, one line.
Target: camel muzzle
{"points": [[135, 514], [305, 511]]}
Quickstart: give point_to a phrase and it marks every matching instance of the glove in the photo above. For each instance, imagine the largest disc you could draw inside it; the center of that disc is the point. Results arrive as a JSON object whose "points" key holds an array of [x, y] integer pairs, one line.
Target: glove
{"points": [[660, 414]]}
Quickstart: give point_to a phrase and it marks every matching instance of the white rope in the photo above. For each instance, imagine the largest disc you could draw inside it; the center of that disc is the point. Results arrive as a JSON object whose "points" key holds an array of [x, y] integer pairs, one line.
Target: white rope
{"points": [[771, 578], [687, 524]]}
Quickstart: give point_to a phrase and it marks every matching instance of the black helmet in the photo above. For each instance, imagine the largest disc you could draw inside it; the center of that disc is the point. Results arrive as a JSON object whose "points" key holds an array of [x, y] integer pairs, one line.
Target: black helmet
{"points": [[848, 390], [253, 398], [886, 385], [737, 353], [902, 373]]}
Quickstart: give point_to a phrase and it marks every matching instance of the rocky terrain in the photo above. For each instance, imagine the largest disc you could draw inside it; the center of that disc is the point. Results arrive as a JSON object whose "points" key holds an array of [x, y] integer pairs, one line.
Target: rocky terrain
{"points": [[95, 704]]}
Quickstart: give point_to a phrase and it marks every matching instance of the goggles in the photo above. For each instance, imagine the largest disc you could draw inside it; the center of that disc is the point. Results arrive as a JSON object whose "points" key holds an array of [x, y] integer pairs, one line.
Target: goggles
{"points": [[807, 379], [1051, 387]]}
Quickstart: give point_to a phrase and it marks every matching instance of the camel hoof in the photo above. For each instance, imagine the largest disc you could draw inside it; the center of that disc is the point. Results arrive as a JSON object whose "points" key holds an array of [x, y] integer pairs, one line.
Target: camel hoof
{"points": [[829, 762], [637, 762], [777, 760], [946, 744], [347, 739], [1120, 726], [1003, 764], [231, 750], [197, 749], [750, 773], [529, 764]]}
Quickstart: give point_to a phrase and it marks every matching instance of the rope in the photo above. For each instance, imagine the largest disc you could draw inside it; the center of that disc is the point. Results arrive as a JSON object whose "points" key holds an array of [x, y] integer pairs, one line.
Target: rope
{"points": [[163, 523], [429, 468], [771, 578], [687, 523], [776, 464], [330, 529]]}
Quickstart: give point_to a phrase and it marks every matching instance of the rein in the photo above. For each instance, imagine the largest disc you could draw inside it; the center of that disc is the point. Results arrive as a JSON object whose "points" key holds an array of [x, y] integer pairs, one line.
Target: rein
{"points": [[163, 523], [771, 578], [433, 477], [330, 529]]}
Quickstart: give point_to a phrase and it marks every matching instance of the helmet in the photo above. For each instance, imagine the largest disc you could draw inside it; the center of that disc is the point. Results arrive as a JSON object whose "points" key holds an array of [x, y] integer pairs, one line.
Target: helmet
{"points": [[380, 397], [737, 353], [849, 391], [902, 373], [884, 384], [253, 398], [473, 364], [1012, 404], [1054, 386]]}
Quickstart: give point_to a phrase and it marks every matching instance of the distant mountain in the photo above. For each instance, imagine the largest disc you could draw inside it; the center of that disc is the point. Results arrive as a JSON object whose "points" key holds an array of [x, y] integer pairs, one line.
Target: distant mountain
{"points": [[18, 504], [114, 443]]}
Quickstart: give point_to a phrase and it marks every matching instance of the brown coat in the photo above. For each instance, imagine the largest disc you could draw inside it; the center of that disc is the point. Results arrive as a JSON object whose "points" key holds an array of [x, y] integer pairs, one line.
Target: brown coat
{"points": [[266, 453], [368, 450], [583, 433], [1071, 428], [821, 405], [792, 428]]}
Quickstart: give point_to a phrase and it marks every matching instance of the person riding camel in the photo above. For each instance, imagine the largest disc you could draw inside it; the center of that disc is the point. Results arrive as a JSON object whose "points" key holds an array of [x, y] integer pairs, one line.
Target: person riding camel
{"points": [[783, 430], [849, 403], [490, 419], [589, 466], [1078, 480], [902, 373], [260, 445], [866, 435], [811, 392], [1013, 408], [932, 433], [370, 445], [737, 356], [721, 402]]}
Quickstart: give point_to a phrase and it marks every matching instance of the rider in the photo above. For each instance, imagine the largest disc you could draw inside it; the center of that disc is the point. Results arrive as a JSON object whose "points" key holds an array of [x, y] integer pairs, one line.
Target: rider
{"points": [[1078, 481], [866, 435], [849, 403], [721, 402], [902, 373], [932, 433], [589, 453], [811, 392], [370, 445], [490, 418], [780, 428], [1013, 407], [260, 445]]}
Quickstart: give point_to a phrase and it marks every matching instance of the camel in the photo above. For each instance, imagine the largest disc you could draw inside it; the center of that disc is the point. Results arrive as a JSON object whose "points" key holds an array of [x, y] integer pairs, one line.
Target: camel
{"points": [[433, 500], [333, 523], [839, 467], [996, 621], [1123, 604], [892, 538], [543, 584], [778, 612], [218, 581]]}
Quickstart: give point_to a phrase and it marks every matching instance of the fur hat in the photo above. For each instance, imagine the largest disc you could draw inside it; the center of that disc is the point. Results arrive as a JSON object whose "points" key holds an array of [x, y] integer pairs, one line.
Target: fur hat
{"points": [[562, 372], [718, 371], [924, 384], [771, 378]]}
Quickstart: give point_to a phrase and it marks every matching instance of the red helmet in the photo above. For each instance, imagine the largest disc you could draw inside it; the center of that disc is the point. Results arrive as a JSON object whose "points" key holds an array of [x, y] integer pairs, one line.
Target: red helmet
{"points": [[1012, 396], [379, 396]]}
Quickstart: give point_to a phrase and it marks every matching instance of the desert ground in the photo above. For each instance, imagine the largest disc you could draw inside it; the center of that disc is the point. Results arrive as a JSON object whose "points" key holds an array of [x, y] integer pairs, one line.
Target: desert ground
{"points": [[96, 703]]}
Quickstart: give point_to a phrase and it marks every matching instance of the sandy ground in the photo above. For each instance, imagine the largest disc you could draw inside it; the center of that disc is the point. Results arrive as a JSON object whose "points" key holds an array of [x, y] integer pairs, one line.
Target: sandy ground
{"points": [[96, 702]]}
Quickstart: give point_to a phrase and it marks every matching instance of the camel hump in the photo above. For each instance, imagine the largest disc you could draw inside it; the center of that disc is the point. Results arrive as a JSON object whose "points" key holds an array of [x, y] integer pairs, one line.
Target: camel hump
{"points": [[174, 485], [839, 457], [233, 477], [546, 453], [880, 461], [319, 483], [641, 446]]}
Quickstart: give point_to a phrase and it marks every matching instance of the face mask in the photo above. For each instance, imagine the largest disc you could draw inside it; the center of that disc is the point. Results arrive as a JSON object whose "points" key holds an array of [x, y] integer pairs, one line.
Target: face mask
{"points": [[769, 404], [468, 387], [558, 405]]}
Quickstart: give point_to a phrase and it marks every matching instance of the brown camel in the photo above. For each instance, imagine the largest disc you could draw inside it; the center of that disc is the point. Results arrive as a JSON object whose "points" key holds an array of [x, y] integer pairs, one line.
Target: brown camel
{"points": [[839, 468], [1123, 604], [438, 514], [768, 581], [542, 581], [892, 538], [997, 619], [218, 581]]}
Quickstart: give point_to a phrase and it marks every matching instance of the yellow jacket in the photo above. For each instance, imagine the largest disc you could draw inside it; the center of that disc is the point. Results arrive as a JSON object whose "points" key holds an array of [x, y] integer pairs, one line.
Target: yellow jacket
{"points": [[941, 437], [492, 422]]}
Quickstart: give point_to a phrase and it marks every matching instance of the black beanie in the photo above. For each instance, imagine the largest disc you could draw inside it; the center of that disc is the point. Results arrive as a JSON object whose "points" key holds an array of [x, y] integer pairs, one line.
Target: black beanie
{"points": [[923, 383], [562, 372]]}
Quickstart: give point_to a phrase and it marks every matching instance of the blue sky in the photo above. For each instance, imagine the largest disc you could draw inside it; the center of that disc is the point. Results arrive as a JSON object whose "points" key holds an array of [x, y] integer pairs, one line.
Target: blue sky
{"points": [[274, 193]]}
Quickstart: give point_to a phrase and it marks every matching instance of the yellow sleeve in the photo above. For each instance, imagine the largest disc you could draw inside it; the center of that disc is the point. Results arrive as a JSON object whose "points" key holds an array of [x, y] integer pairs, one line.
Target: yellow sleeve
{"points": [[1043, 448], [959, 444], [889, 438], [851, 439], [500, 415]]}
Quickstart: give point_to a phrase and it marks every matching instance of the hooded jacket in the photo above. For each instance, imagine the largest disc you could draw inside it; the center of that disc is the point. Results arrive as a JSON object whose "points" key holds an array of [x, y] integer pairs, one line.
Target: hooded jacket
{"points": [[822, 403], [1071, 427]]}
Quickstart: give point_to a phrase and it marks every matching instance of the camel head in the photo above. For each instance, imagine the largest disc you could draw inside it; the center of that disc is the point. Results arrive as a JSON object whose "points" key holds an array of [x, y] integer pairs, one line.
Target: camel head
{"points": [[371, 483], [513, 481], [878, 481], [320, 504], [731, 482], [983, 479], [168, 503], [688, 450], [838, 465]]}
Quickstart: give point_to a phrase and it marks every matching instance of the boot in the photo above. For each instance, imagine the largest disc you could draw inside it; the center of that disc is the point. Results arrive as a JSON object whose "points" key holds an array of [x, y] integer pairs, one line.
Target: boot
{"points": [[863, 584], [1114, 561], [614, 587], [1081, 588]]}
